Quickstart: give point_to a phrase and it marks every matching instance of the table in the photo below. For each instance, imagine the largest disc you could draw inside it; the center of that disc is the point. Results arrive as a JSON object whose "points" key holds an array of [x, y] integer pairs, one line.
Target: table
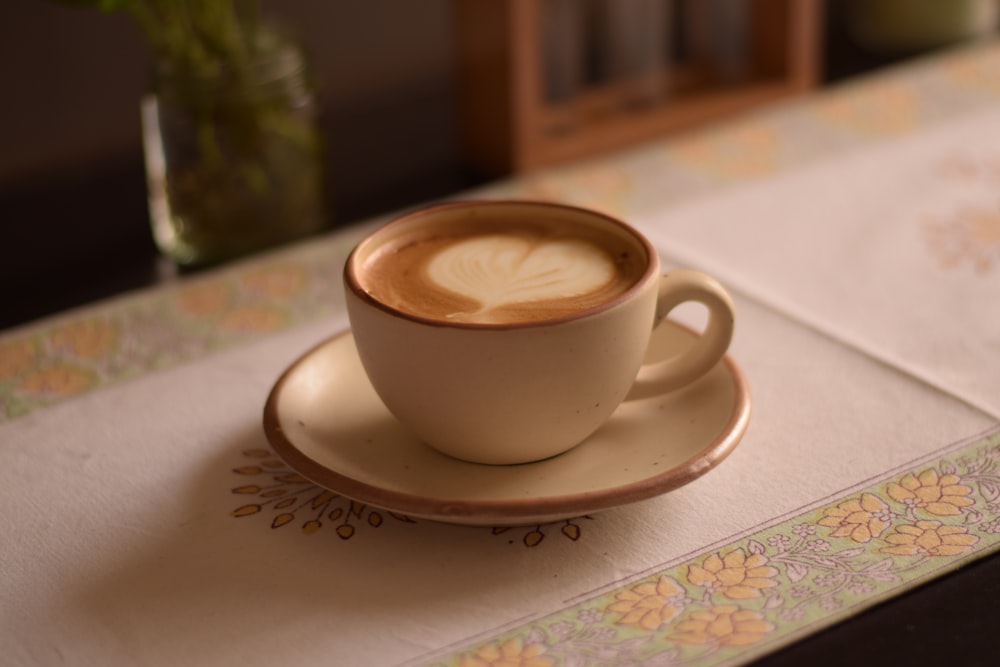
{"points": [[147, 521]]}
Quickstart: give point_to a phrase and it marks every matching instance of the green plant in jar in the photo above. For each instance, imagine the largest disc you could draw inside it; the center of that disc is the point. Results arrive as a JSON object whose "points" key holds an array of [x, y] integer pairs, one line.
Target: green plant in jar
{"points": [[234, 157]]}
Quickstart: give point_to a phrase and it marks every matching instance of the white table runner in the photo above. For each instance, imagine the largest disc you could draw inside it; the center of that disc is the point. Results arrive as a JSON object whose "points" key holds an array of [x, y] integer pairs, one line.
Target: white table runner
{"points": [[894, 250], [124, 541]]}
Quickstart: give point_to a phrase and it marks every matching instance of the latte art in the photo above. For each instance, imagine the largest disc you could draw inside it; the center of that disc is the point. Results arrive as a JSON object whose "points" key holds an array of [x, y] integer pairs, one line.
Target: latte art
{"points": [[501, 270]]}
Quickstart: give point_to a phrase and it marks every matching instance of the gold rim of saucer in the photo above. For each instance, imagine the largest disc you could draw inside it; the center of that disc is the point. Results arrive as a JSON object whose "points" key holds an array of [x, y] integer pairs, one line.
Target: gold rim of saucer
{"points": [[308, 421]]}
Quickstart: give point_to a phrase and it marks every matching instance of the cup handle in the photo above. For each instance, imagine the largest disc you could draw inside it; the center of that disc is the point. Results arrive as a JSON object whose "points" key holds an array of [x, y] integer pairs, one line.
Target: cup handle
{"points": [[675, 288]]}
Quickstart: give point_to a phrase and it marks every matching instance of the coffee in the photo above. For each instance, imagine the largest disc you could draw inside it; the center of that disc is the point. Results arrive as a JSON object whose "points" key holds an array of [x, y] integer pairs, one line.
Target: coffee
{"points": [[509, 331], [502, 271]]}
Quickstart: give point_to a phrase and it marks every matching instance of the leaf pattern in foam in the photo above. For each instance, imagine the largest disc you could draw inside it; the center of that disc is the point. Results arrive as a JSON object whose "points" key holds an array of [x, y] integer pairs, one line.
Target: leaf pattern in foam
{"points": [[503, 270]]}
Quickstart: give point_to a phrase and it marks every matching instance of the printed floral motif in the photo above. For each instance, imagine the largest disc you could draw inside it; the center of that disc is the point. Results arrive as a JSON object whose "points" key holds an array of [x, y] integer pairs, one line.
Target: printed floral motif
{"points": [[968, 236], [724, 625], [511, 653], [650, 604], [569, 528], [735, 575], [971, 237], [254, 319], [131, 337], [57, 380], [762, 589], [940, 495], [16, 357], [974, 70], [283, 281], [84, 339], [875, 110], [203, 299], [292, 498], [860, 519], [601, 188], [745, 151], [929, 538]]}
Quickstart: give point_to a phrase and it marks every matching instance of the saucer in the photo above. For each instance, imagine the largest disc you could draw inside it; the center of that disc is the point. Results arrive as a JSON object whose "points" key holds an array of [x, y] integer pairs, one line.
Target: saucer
{"points": [[325, 420]]}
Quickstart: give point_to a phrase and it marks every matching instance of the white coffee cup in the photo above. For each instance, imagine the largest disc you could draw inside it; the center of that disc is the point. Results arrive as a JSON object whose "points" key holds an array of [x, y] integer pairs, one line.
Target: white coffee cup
{"points": [[553, 307]]}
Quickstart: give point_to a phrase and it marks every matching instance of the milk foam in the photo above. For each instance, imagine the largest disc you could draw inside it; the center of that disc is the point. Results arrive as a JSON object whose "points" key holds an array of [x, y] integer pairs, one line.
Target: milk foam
{"points": [[501, 270]]}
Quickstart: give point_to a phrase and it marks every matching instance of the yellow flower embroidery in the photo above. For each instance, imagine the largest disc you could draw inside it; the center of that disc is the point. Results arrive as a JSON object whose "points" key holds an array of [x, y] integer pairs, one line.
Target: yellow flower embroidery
{"points": [[941, 495], [87, 339], [599, 188], [276, 282], [253, 319], [971, 236], [737, 575], [750, 150], [60, 380], [725, 625], [861, 519], [651, 604], [885, 109], [929, 538], [511, 653], [202, 299], [16, 357], [973, 71]]}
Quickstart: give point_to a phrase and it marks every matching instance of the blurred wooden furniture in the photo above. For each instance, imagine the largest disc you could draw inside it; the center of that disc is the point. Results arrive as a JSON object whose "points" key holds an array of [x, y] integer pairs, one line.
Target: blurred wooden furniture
{"points": [[547, 81]]}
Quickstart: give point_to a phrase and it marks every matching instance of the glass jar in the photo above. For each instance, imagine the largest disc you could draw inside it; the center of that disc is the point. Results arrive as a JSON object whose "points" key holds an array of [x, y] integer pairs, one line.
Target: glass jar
{"points": [[234, 156]]}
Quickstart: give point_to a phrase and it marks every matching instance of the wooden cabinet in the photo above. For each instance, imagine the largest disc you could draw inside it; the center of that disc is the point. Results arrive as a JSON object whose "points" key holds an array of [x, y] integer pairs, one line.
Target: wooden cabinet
{"points": [[546, 81]]}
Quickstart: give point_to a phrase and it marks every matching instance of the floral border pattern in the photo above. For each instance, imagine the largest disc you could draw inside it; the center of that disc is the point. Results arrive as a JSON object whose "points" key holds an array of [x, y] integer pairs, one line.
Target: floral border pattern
{"points": [[756, 593], [270, 486], [143, 333], [969, 235]]}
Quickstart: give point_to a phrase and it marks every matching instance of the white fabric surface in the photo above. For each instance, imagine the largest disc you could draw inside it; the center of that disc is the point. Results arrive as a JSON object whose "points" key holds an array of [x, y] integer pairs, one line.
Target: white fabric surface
{"points": [[119, 547], [894, 250]]}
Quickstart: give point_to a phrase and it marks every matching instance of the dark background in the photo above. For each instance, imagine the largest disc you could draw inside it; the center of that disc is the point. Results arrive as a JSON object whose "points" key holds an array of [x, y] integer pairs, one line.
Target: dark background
{"points": [[73, 219]]}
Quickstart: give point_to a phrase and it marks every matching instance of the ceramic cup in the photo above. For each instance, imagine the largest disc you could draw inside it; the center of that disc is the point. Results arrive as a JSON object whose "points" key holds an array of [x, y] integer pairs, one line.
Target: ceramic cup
{"points": [[505, 332]]}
